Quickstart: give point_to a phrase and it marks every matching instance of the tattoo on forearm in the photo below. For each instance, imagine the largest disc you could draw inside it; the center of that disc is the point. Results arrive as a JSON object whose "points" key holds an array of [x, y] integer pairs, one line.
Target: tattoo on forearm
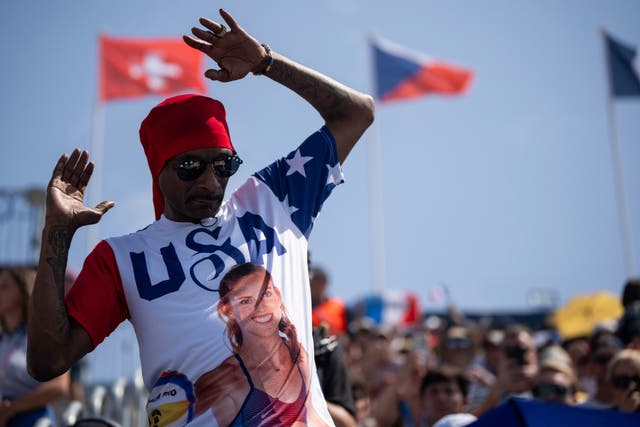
{"points": [[61, 320], [59, 238], [329, 97]]}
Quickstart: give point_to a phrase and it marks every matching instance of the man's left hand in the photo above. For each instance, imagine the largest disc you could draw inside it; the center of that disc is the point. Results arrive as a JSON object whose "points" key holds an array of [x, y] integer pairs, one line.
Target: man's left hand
{"points": [[233, 49]]}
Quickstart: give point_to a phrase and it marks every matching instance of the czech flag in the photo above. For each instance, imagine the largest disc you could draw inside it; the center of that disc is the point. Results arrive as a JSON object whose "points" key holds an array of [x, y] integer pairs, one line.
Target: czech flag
{"points": [[401, 73]]}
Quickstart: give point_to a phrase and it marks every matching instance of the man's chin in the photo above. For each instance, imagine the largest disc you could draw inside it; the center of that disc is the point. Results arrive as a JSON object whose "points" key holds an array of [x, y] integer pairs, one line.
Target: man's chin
{"points": [[202, 212]]}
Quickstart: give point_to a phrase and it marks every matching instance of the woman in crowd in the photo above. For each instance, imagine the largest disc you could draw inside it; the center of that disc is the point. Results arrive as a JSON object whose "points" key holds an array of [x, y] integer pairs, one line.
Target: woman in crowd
{"points": [[624, 374], [24, 400]]}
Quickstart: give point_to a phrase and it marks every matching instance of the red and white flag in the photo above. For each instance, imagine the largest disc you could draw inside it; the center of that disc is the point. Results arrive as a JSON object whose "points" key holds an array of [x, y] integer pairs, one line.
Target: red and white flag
{"points": [[130, 68]]}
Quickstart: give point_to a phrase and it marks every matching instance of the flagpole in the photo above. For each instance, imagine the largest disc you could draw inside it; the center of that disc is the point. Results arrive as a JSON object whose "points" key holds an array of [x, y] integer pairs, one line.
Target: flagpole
{"points": [[617, 165], [376, 215], [376, 205], [97, 147], [97, 144]]}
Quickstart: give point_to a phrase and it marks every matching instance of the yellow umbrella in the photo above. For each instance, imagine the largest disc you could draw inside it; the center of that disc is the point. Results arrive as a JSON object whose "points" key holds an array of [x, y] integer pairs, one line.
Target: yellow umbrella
{"points": [[581, 314]]}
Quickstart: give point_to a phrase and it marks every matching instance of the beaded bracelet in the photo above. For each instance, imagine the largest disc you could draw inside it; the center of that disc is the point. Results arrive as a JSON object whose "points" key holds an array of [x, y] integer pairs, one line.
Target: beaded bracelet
{"points": [[269, 64]]}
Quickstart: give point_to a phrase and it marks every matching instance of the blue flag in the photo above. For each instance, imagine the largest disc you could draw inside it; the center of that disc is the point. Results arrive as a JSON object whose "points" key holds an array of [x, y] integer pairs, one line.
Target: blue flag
{"points": [[624, 68]]}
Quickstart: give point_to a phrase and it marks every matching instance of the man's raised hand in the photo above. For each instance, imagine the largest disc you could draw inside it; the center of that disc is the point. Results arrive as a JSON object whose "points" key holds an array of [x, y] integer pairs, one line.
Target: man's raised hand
{"points": [[65, 194], [235, 51]]}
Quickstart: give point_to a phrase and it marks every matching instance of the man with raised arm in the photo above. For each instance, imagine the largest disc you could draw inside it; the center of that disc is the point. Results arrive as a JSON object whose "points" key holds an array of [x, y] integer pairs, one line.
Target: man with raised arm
{"points": [[165, 278]]}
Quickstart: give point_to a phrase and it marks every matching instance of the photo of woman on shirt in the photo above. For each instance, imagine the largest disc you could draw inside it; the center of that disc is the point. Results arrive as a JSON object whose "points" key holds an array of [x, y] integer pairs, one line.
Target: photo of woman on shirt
{"points": [[267, 380]]}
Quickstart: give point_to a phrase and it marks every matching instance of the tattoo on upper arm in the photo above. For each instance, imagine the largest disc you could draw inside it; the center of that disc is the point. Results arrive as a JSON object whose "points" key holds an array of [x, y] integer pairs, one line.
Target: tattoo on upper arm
{"points": [[59, 238]]}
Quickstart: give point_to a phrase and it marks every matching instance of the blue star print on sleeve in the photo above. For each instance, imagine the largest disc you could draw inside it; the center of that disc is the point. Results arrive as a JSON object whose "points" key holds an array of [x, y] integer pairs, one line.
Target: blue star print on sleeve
{"points": [[304, 179]]}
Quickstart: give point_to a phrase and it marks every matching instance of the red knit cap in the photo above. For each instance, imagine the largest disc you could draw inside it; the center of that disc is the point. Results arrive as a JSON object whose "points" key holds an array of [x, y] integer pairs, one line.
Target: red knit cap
{"points": [[179, 124]]}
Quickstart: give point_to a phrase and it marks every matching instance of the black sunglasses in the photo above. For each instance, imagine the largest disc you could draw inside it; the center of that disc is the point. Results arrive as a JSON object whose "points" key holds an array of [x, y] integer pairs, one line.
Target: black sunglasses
{"points": [[192, 168], [549, 391], [624, 381]]}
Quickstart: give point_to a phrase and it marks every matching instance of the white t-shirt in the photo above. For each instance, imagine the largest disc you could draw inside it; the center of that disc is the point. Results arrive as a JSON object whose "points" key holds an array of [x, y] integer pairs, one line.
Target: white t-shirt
{"points": [[165, 280]]}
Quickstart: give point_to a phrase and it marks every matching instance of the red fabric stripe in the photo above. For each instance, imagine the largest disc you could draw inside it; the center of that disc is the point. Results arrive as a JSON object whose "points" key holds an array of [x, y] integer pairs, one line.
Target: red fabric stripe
{"points": [[96, 300]]}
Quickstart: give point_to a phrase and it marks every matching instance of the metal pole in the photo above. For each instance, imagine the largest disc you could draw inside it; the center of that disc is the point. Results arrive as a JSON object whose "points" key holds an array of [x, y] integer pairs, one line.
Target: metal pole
{"points": [[376, 205], [376, 214], [97, 144], [617, 167]]}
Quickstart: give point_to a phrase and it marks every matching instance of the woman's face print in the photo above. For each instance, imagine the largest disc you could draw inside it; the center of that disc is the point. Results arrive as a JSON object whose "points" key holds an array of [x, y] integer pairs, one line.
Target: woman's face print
{"points": [[254, 315]]}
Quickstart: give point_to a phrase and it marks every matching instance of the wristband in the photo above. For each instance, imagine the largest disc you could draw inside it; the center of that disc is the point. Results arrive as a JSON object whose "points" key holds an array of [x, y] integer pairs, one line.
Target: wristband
{"points": [[269, 62]]}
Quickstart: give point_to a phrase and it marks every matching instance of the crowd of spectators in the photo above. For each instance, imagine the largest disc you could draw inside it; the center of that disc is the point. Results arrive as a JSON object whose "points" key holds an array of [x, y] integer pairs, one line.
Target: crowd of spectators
{"points": [[449, 370], [441, 371]]}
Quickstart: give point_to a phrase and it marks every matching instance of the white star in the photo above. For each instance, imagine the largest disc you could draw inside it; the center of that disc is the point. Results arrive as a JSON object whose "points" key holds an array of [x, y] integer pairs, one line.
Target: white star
{"points": [[296, 164], [334, 175], [290, 208]]}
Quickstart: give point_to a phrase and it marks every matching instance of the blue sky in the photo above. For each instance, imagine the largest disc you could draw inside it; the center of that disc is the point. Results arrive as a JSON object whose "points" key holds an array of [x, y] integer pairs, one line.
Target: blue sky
{"points": [[505, 190]]}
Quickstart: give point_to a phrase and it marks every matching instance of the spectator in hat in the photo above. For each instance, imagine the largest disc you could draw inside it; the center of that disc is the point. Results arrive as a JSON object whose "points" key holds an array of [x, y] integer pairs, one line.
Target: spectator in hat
{"points": [[556, 381], [380, 361], [358, 341], [518, 368], [624, 375], [457, 348], [603, 347]]}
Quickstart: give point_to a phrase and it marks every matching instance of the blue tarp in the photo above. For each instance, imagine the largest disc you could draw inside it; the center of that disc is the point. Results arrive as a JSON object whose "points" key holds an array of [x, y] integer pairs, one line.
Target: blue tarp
{"points": [[532, 413]]}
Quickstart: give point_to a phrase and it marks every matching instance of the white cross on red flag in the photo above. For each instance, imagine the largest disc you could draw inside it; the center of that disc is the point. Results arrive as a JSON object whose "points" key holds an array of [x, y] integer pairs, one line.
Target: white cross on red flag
{"points": [[130, 68]]}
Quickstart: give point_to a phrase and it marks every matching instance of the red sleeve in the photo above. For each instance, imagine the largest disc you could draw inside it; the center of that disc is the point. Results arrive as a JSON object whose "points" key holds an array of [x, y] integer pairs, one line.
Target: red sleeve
{"points": [[96, 300]]}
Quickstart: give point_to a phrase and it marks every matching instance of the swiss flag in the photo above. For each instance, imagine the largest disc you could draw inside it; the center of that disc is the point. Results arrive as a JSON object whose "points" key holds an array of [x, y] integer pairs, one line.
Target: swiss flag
{"points": [[401, 73], [130, 68]]}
